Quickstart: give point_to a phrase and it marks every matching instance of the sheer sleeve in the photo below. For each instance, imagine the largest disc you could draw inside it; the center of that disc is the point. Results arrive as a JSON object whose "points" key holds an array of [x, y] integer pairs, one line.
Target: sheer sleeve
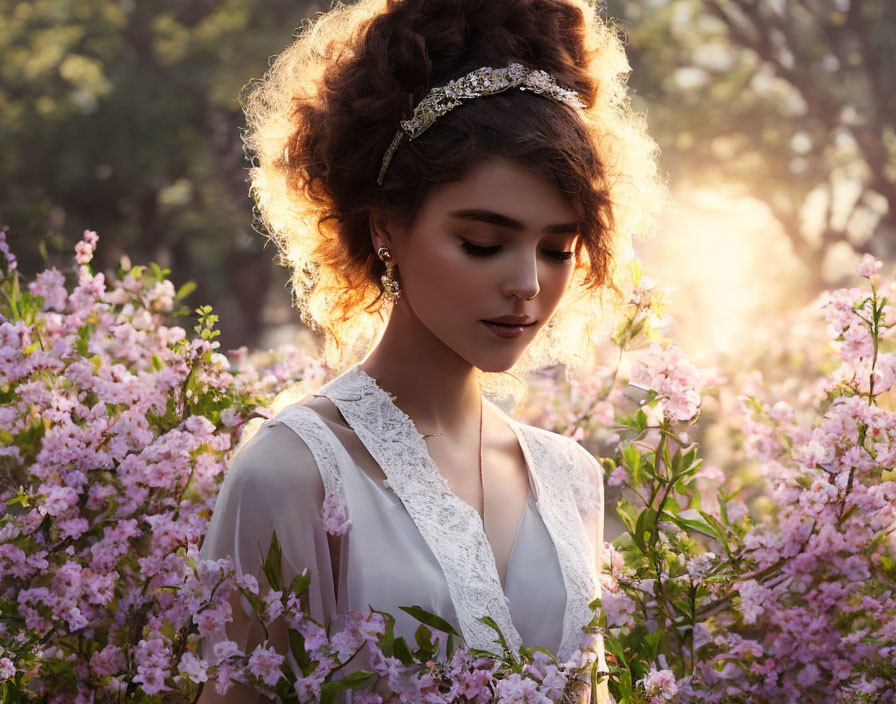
{"points": [[273, 483]]}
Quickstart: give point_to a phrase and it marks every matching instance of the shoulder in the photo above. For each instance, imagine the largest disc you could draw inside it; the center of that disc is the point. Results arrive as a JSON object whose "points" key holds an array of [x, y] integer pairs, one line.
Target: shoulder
{"points": [[276, 462]]}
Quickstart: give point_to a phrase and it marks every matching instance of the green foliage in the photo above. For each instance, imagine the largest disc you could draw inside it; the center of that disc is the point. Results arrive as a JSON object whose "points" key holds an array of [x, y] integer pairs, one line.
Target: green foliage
{"points": [[123, 117]]}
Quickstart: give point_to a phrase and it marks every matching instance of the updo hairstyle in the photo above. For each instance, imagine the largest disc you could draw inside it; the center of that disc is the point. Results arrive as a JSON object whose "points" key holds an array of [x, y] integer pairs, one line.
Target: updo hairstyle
{"points": [[320, 121]]}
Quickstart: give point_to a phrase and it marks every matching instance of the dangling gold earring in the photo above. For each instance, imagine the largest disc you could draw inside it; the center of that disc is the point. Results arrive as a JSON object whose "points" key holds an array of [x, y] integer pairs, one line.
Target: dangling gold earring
{"points": [[389, 281]]}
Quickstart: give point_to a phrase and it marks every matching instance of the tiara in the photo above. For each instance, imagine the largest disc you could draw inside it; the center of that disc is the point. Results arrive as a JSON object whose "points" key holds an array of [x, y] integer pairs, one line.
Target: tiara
{"points": [[482, 81]]}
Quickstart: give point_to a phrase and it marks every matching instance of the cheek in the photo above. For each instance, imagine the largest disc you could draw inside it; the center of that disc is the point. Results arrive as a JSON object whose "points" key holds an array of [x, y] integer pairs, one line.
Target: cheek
{"points": [[444, 279], [554, 281]]}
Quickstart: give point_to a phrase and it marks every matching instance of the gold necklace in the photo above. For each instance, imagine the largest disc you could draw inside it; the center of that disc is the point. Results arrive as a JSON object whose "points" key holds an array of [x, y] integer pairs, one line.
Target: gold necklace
{"points": [[481, 479]]}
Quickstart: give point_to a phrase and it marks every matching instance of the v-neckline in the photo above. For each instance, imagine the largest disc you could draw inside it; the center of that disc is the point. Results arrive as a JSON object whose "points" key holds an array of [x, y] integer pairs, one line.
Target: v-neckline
{"points": [[516, 538], [451, 528], [556, 465], [530, 479]]}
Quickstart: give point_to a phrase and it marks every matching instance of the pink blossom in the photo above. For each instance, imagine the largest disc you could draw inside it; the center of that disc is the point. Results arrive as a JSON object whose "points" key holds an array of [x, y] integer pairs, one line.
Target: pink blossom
{"points": [[161, 296], [224, 649], [618, 476], [869, 266], [86, 247], [7, 669], [391, 668], [333, 515], [152, 679], [213, 618], [108, 662], [7, 254], [737, 510], [699, 565], [227, 675], [473, 684], [193, 668], [265, 664], [661, 684], [273, 606], [248, 582], [516, 690], [855, 569], [59, 499], [752, 598], [808, 675], [666, 371], [617, 607], [50, 285], [308, 688]]}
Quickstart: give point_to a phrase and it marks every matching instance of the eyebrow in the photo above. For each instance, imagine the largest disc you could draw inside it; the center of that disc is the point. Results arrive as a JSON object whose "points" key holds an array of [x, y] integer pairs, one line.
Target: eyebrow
{"points": [[493, 218]]}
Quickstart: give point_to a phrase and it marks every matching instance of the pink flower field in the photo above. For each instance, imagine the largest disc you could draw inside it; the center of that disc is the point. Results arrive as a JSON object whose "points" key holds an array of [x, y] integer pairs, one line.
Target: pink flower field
{"points": [[118, 424]]}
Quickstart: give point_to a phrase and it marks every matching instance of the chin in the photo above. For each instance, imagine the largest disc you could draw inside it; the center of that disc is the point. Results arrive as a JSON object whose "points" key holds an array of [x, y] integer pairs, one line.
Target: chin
{"points": [[496, 366]]}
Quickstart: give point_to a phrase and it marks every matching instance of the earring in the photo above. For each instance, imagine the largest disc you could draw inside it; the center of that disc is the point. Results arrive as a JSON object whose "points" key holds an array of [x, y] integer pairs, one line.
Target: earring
{"points": [[389, 281]]}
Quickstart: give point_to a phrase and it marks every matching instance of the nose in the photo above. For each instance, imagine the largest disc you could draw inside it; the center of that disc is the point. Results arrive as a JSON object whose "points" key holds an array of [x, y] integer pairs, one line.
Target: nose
{"points": [[523, 280]]}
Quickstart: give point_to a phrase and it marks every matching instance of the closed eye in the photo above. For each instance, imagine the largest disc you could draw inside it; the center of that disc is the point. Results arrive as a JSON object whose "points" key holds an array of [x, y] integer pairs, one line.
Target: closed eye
{"points": [[476, 251]]}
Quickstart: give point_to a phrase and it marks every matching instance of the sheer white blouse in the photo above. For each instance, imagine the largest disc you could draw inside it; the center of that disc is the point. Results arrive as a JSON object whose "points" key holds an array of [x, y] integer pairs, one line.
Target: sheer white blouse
{"points": [[411, 540]]}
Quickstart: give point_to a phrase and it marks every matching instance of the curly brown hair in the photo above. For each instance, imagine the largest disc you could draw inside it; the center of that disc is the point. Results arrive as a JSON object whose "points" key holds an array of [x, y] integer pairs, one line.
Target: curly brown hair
{"points": [[322, 118]]}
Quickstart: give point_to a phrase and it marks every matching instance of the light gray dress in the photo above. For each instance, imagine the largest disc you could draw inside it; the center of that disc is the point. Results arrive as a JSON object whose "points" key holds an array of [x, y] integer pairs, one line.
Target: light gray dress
{"points": [[411, 541]]}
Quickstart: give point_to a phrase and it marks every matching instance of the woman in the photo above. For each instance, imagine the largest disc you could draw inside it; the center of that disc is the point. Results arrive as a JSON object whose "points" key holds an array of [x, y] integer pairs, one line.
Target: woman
{"points": [[451, 182]]}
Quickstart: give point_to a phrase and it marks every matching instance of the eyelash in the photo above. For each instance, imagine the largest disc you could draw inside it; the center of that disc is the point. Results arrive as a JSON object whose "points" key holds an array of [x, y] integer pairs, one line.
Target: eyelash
{"points": [[477, 251]]}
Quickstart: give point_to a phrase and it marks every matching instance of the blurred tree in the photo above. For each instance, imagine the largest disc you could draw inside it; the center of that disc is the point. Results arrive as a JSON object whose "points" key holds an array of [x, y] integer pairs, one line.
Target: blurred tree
{"points": [[795, 101], [123, 117]]}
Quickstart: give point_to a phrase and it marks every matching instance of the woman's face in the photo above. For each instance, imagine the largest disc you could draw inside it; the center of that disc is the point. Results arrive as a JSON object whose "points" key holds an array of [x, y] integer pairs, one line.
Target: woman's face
{"points": [[497, 243]]}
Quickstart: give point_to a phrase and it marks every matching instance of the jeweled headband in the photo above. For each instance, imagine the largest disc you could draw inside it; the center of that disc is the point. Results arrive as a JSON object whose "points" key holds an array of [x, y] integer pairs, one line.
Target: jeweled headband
{"points": [[482, 81]]}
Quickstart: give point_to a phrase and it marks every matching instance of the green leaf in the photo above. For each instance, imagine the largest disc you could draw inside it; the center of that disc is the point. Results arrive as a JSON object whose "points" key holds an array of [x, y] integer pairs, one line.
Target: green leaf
{"points": [[297, 648], [612, 644], [490, 622], [300, 584], [272, 563], [388, 638], [641, 419], [430, 619], [632, 460], [690, 524], [625, 683], [645, 527], [401, 651], [185, 290], [628, 512], [594, 683], [653, 641], [354, 680], [425, 647], [254, 600]]}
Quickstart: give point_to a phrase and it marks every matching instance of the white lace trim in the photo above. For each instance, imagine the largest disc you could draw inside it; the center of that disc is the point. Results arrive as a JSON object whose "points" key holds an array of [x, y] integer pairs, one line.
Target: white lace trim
{"points": [[450, 527], [453, 529], [555, 465], [309, 426]]}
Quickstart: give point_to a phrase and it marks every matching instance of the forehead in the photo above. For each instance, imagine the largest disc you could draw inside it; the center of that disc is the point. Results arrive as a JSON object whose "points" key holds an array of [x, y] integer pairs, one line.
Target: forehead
{"points": [[506, 187]]}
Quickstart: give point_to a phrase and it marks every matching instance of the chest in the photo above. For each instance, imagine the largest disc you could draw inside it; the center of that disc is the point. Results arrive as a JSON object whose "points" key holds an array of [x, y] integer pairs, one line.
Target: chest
{"points": [[499, 494]]}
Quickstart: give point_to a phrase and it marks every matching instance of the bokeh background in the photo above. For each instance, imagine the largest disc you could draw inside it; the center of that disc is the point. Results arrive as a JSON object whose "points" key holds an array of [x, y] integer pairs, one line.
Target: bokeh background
{"points": [[775, 119]]}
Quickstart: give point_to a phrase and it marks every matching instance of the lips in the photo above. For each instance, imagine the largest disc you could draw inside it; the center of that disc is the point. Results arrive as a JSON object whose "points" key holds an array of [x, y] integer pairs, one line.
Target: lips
{"points": [[508, 325], [507, 331], [512, 320]]}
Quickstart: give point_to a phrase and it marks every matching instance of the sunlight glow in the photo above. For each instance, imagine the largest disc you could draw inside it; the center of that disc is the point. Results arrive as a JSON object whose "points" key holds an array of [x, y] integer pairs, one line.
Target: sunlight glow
{"points": [[730, 266]]}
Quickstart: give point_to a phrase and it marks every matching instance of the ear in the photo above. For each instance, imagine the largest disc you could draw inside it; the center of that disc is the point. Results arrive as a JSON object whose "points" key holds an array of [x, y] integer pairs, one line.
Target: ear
{"points": [[384, 231]]}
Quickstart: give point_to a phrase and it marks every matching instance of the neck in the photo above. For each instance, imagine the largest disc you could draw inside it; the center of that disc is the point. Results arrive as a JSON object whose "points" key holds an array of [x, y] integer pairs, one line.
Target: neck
{"points": [[434, 386]]}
